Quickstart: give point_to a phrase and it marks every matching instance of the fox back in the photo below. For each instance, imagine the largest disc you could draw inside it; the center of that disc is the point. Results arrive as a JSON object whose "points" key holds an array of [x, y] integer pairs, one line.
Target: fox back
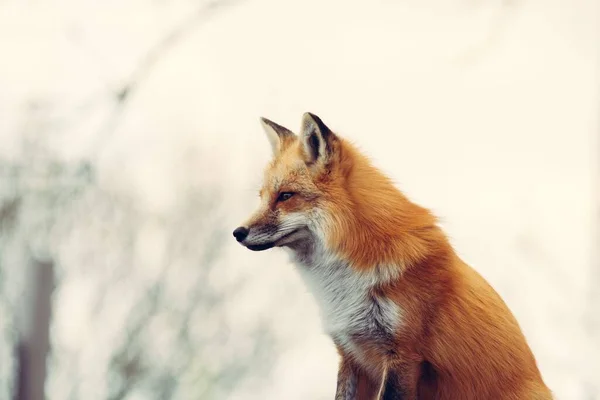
{"points": [[409, 318]]}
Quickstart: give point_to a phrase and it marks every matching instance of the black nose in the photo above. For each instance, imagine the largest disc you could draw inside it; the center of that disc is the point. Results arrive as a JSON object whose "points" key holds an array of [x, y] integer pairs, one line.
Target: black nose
{"points": [[240, 233]]}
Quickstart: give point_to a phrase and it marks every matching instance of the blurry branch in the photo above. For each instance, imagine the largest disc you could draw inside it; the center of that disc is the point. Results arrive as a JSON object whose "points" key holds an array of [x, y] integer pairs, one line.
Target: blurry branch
{"points": [[496, 30], [31, 192], [9, 211], [134, 365], [127, 361], [151, 59], [43, 192]]}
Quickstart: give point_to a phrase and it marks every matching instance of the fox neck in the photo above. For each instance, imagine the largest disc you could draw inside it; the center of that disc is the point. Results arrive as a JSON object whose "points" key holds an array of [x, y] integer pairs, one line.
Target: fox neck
{"points": [[373, 223]]}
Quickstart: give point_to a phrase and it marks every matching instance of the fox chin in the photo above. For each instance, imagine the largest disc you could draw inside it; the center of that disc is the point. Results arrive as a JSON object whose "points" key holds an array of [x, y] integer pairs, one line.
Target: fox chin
{"points": [[409, 318]]}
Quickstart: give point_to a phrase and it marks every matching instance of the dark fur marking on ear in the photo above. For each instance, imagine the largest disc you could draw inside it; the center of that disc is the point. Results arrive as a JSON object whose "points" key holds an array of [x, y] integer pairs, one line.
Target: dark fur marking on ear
{"points": [[314, 144], [320, 140], [325, 131]]}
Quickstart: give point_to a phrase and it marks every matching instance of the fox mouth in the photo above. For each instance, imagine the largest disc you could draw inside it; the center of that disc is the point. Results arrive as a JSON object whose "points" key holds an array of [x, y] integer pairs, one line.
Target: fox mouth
{"points": [[260, 247], [268, 245]]}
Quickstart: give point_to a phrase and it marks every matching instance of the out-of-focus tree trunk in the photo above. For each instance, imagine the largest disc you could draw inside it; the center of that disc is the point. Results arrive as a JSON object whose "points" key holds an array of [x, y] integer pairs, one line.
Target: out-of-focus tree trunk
{"points": [[34, 329]]}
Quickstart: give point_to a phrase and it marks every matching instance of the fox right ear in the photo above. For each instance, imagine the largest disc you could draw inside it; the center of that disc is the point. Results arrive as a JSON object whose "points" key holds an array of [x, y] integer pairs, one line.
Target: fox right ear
{"points": [[276, 134], [317, 139]]}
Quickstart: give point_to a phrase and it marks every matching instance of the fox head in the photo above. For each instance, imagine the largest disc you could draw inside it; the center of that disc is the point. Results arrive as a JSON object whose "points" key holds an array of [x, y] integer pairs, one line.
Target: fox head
{"points": [[320, 193], [299, 184]]}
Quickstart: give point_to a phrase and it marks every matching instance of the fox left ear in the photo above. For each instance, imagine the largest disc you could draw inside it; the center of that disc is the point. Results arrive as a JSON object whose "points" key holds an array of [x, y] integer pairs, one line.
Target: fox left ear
{"points": [[317, 139], [276, 134]]}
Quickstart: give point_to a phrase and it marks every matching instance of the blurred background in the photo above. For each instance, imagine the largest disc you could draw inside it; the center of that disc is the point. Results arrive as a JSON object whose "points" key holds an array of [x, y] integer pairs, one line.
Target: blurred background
{"points": [[130, 148]]}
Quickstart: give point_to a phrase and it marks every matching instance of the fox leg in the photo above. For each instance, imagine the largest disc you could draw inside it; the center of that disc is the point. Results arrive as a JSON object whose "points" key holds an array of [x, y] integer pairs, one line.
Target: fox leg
{"points": [[353, 383], [401, 382], [347, 381]]}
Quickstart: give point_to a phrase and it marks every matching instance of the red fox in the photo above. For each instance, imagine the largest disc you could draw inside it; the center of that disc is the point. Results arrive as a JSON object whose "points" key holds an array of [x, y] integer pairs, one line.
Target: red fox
{"points": [[409, 318]]}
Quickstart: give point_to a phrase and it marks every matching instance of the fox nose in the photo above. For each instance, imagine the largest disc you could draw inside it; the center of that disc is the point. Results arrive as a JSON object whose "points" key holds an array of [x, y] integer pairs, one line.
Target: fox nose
{"points": [[240, 233]]}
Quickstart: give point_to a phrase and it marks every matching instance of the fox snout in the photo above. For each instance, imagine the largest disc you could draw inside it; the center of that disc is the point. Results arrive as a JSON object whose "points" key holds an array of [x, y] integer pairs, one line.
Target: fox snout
{"points": [[255, 239]]}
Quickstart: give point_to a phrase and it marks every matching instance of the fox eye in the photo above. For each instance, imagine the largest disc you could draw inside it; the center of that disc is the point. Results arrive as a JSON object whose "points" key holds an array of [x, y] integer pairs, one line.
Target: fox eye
{"points": [[283, 196]]}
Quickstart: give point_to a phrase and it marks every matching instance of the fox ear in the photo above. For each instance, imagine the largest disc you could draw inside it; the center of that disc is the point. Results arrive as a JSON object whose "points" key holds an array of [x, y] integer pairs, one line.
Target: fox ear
{"points": [[276, 134], [317, 139]]}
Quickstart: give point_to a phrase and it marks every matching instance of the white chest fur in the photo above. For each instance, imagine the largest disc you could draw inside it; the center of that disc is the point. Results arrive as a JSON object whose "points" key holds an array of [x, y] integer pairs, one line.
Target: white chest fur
{"points": [[349, 306]]}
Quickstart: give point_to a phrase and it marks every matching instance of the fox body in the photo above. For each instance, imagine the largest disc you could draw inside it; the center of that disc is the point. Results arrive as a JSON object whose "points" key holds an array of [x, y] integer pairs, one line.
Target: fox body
{"points": [[409, 318]]}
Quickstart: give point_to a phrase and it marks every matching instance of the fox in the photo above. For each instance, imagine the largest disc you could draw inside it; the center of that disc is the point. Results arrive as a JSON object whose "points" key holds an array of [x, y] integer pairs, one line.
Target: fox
{"points": [[408, 317]]}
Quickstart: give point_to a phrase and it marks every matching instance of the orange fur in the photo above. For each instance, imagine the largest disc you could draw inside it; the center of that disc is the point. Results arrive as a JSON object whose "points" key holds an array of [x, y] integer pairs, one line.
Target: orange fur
{"points": [[374, 222], [454, 319], [457, 339]]}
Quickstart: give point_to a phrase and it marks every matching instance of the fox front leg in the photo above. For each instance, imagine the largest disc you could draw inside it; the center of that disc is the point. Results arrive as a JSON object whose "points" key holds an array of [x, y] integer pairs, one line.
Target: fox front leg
{"points": [[401, 383], [395, 389], [354, 384], [347, 382]]}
